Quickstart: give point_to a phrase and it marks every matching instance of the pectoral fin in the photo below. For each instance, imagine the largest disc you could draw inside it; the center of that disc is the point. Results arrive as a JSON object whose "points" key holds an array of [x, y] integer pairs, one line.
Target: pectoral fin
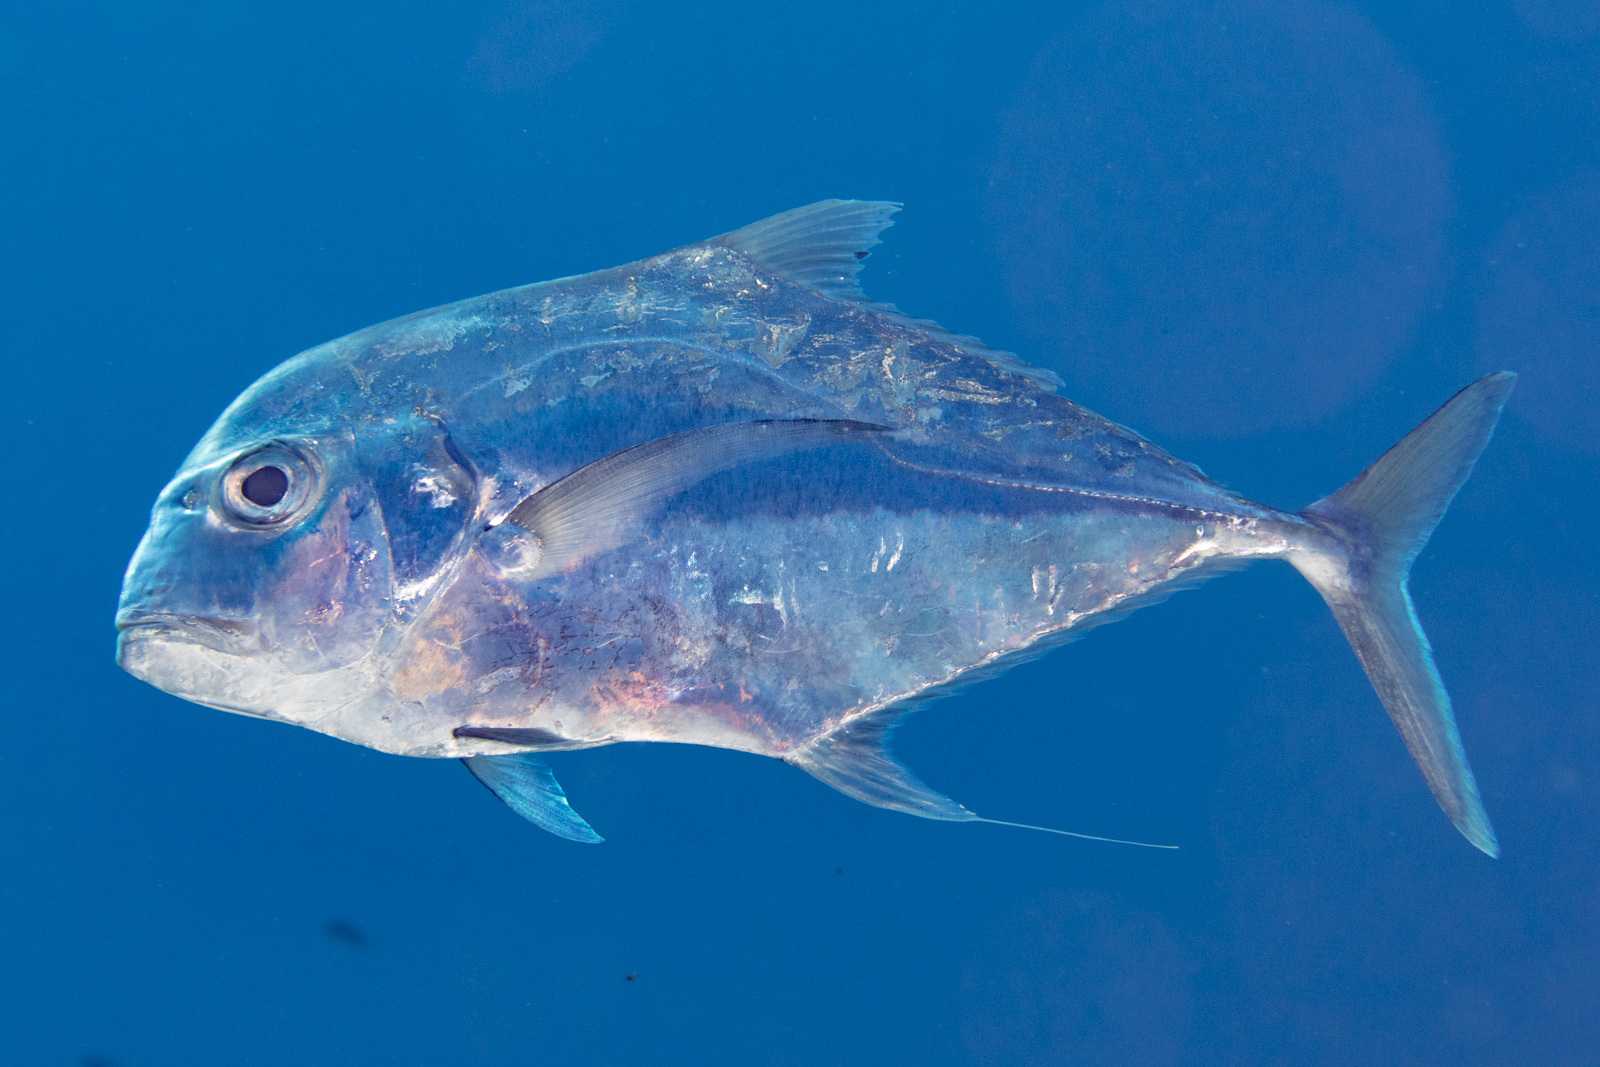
{"points": [[530, 789], [600, 506]]}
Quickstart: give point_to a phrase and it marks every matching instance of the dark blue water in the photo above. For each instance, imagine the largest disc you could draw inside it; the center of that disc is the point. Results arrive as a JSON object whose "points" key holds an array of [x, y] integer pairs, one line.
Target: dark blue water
{"points": [[1271, 236]]}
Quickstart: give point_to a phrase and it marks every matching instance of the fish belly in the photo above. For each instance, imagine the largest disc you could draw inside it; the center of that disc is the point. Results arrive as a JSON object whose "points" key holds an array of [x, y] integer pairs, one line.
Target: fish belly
{"points": [[763, 633]]}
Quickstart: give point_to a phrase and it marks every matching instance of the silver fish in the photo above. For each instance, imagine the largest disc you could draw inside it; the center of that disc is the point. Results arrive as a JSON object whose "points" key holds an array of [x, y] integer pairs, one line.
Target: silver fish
{"points": [[716, 497]]}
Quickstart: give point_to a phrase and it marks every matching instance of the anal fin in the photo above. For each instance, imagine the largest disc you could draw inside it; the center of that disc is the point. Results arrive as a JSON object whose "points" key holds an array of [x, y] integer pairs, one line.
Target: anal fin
{"points": [[530, 789], [855, 760]]}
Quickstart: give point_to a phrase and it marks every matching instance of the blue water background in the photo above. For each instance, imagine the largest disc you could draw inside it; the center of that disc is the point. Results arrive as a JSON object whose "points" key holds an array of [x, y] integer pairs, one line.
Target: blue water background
{"points": [[1273, 237]]}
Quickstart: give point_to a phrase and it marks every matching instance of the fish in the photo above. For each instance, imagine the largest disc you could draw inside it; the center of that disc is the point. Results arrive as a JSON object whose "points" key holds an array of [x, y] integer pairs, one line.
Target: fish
{"points": [[719, 496]]}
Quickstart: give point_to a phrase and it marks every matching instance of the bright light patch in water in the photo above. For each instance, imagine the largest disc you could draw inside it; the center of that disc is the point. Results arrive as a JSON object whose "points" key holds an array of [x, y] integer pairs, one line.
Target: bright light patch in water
{"points": [[1219, 220]]}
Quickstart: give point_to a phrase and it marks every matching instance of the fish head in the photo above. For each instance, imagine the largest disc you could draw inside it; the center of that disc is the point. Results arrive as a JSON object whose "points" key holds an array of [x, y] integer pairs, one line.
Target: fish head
{"points": [[265, 574], [310, 521]]}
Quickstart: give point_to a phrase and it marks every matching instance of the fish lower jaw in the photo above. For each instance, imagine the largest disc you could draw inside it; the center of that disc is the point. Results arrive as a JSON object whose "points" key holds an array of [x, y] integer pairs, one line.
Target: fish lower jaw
{"points": [[240, 684]]}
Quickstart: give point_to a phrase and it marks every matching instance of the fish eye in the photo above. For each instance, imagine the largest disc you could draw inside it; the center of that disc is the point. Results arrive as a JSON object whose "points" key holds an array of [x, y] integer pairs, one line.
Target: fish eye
{"points": [[270, 486], [266, 486]]}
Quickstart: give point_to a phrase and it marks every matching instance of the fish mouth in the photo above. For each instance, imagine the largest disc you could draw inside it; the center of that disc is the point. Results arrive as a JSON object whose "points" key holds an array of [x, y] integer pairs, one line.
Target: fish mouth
{"points": [[233, 636]]}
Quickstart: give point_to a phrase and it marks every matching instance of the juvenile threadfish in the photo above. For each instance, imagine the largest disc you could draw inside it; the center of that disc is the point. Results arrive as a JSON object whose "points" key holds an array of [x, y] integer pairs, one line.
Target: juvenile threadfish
{"points": [[718, 497]]}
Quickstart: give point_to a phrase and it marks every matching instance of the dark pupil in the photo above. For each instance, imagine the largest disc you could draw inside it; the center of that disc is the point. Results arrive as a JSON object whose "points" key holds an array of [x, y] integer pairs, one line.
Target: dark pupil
{"points": [[265, 487]]}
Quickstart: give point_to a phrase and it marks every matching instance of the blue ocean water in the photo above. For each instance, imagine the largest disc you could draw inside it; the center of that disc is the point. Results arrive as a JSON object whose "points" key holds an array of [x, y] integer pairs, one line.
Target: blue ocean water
{"points": [[1272, 237]]}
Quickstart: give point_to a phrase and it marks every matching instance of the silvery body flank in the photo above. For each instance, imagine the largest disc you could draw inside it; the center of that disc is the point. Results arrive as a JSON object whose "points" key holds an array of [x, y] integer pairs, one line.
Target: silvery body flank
{"points": [[716, 497]]}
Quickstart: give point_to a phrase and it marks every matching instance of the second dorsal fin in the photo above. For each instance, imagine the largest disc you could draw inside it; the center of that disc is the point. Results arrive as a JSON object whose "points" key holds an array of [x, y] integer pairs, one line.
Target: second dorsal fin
{"points": [[819, 246]]}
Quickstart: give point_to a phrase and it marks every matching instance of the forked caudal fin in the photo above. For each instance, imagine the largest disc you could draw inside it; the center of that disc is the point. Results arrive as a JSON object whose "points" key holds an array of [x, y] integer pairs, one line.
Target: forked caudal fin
{"points": [[1377, 524]]}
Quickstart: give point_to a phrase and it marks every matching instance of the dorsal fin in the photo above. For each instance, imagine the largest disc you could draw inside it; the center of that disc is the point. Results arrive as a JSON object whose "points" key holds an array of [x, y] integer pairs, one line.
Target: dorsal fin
{"points": [[821, 246]]}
